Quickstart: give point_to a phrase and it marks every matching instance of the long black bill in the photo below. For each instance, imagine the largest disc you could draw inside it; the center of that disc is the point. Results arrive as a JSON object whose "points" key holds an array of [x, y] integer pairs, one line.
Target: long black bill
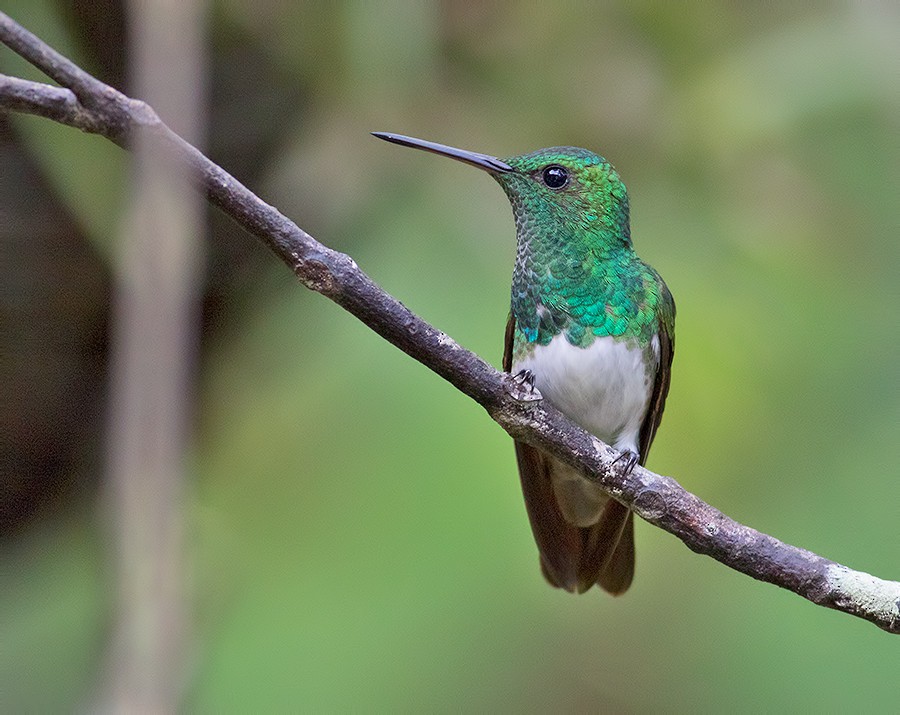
{"points": [[482, 161]]}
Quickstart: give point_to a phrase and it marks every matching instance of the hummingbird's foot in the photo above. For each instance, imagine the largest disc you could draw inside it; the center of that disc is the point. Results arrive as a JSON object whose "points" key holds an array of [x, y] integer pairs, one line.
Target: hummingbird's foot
{"points": [[628, 459], [523, 388], [524, 377]]}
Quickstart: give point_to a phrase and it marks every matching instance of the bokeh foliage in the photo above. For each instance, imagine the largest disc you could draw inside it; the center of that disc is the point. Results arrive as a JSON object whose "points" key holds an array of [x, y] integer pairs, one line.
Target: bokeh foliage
{"points": [[357, 537]]}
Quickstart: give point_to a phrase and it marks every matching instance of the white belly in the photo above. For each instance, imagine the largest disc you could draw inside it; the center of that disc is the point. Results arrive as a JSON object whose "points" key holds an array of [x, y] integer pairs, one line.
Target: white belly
{"points": [[606, 389]]}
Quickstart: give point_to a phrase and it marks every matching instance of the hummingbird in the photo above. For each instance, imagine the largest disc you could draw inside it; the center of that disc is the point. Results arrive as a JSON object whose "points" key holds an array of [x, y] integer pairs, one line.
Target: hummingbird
{"points": [[592, 328]]}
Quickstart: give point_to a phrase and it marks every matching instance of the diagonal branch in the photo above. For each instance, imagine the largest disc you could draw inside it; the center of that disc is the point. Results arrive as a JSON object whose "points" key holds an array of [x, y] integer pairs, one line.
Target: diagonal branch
{"points": [[87, 104]]}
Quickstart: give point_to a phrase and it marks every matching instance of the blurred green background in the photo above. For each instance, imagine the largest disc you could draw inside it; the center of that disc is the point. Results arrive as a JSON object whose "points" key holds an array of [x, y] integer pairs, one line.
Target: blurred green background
{"points": [[357, 539]]}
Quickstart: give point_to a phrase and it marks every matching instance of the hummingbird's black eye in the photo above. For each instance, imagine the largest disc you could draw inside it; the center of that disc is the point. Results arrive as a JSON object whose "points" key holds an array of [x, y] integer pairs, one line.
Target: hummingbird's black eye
{"points": [[555, 176]]}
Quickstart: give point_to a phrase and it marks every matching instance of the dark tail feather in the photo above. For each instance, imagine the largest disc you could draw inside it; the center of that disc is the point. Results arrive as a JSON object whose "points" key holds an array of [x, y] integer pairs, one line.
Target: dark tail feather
{"points": [[575, 558], [607, 557], [618, 573], [559, 543]]}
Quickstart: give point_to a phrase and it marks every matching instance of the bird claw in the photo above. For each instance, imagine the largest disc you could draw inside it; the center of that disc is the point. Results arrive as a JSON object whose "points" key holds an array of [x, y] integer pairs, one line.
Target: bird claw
{"points": [[523, 389], [629, 460]]}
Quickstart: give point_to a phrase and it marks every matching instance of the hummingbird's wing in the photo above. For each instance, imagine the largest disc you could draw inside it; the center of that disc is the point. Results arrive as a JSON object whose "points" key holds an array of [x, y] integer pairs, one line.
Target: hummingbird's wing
{"points": [[572, 558], [617, 575], [666, 337]]}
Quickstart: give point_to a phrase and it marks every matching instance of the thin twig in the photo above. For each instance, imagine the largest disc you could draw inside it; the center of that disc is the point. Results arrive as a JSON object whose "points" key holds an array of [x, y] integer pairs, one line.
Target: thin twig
{"points": [[94, 107]]}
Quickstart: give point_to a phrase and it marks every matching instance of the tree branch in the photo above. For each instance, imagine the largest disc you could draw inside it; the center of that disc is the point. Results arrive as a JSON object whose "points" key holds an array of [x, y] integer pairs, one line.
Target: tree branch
{"points": [[89, 105]]}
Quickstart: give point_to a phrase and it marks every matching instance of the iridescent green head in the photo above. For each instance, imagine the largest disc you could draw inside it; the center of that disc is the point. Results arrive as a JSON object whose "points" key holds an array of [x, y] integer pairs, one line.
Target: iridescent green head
{"points": [[571, 192], [573, 189]]}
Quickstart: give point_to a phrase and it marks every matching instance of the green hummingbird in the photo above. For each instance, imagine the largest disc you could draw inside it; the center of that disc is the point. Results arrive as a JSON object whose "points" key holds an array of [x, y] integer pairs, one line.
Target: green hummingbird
{"points": [[592, 327]]}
